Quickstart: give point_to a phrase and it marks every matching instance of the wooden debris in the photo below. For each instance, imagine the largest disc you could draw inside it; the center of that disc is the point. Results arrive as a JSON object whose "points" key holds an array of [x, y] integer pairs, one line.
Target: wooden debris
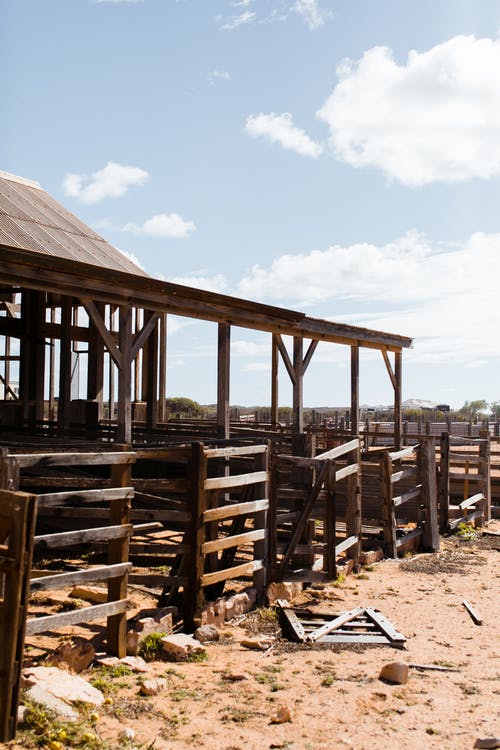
{"points": [[432, 668], [476, 617], [487, 742], [365, 626]]}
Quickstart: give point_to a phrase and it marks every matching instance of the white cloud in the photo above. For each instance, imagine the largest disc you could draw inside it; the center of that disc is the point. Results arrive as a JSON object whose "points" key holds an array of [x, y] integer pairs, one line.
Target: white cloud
{"points": [[248, 16], [434, 119], [112, 181], [311, 13], [444, 296], [199, 280], [280, 129], [169, 226], [218, 75]]}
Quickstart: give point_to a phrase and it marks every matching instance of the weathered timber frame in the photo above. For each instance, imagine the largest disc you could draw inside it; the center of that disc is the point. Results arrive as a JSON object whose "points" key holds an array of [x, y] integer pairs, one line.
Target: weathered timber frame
{"points": [[141, 305]]}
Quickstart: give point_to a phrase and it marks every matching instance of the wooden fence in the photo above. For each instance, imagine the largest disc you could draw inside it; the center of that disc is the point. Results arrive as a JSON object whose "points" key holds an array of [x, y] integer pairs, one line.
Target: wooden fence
{"points": [[465, 465], [304, 524]]}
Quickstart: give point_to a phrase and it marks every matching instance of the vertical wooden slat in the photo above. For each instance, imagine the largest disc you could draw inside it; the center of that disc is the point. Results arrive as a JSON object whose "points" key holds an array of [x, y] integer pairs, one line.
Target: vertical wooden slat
{"points": [[444, 482], [118, 553], [427, 477], [388, 506], [485, 471], [193, 593], [330, 523], [260, 548], [223, 375]]}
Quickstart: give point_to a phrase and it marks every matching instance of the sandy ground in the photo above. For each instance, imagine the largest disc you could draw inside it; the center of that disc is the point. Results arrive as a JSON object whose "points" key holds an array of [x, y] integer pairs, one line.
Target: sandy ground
{"points": [[334, 695]]}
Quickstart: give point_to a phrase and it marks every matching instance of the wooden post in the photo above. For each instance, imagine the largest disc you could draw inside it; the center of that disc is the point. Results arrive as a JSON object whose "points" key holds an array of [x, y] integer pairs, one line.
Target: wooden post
{"points": [[298, 385], [223, 375], [193, 596], [485, 469], [274, 484], [354, 390], [17, 529], [444, 482], [398, 374], [427, 477], [150, 375], [330, 524], [64, 400], [353, 508], [124, 416], [119, 513], [162, 385], [274, 382], [95, 374], [260, 548], [388, 506]]}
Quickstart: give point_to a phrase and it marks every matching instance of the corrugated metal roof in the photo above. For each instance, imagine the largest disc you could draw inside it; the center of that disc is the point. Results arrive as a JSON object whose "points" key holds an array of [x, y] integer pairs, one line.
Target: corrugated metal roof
{"points": [[30, 219]]}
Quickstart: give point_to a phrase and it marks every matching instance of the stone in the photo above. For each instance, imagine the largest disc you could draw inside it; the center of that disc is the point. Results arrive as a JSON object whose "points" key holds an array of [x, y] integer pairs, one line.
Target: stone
{"points": [[207, 634], [282, 716], [135, 663], [158, 620], [92, 594], [371, 556], [152, 686], [38, 694], [486, 743], [395, 672], [216, 613], [62, 685], [179, 646], [75, 655], [285, 590]]}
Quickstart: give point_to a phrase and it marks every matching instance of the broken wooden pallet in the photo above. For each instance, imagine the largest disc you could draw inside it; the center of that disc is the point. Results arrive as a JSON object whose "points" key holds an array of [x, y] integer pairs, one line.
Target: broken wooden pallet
{"points": [[361, 625]]}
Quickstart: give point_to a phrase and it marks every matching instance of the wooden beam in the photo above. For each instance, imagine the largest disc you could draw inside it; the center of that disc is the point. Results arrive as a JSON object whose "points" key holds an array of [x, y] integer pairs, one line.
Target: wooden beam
{"points": [[284, 356], [116, 287], [309, 354], [144, 333], [109, 341], [389, 367], [162, 384]]}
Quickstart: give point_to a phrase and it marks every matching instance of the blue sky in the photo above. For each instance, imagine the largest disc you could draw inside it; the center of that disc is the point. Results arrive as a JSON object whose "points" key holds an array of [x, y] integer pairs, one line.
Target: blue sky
{"points": [[337, 156]]}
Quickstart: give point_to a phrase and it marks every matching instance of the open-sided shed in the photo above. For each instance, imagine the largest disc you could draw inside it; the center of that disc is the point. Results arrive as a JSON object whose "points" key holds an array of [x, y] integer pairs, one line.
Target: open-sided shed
{"points": [[64, 289]]}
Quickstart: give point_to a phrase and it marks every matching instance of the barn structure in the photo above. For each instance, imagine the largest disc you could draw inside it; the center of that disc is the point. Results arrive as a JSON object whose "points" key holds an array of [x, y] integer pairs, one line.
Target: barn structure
{"points": [[65, 290], [102, 452]]}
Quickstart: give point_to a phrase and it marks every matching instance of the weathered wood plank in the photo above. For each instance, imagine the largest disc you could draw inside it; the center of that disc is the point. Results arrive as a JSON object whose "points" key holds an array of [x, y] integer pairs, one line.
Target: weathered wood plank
{"points": [[41, 460], [74, 578], [337, 622], [237, 480], [82, 536], [235, 509], [233, 541], [340, 450], [75, 617], [406, 496], [230, 451], [347, 471], [345, 545], [235, 572], [85, 496]]}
